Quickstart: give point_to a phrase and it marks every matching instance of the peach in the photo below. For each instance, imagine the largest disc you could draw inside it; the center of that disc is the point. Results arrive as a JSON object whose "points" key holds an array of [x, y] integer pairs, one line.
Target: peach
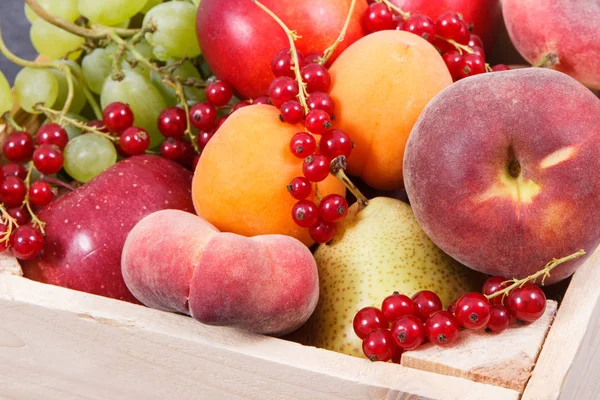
{"points": [[502, 171], [561, 32], [176, 261], [240, 182], [380, 85]]}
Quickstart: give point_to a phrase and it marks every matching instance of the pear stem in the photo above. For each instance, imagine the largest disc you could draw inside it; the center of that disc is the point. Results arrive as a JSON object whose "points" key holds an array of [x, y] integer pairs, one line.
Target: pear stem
{"points": [[337, 168]]}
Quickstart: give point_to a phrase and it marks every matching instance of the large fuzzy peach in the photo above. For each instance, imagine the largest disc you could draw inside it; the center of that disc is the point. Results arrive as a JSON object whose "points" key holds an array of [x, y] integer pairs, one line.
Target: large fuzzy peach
{"points": [[380, 85], [557, 31], [240, 181], [502, 171], [176, 261]]}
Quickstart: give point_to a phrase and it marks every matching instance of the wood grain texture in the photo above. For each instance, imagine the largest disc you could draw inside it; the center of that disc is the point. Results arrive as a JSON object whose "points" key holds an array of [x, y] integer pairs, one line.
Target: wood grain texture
{"points": [[569, 349], [56, 343], [503, 360]]}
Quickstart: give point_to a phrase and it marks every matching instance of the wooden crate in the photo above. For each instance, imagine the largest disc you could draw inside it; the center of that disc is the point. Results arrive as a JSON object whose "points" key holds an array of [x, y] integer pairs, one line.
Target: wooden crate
{"points": [[57, 343]]}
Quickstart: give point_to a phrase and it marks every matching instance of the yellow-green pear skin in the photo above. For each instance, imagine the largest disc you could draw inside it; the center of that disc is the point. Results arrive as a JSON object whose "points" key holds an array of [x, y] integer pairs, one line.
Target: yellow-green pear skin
{"points": [[377, 251]]}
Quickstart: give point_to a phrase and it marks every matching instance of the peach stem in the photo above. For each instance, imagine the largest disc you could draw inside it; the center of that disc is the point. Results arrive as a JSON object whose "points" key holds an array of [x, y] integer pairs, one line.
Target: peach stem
{"points": [[544, 273], [548, 60], [331, 49], [337, 169]]}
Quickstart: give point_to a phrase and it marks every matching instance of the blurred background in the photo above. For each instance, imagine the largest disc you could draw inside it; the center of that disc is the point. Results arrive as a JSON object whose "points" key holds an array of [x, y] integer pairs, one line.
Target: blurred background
{"points": [[15, 31]]}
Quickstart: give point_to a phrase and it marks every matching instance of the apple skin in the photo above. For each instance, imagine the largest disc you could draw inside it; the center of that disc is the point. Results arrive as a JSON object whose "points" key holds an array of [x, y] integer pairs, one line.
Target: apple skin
{"points": [[239, 40], [566, 28], [86, 229], [457, 171], [483, 14]]}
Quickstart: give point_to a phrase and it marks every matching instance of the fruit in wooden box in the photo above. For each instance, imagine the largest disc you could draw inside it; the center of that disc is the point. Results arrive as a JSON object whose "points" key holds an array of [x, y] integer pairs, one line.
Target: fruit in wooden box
{"points": [[501, 170]]}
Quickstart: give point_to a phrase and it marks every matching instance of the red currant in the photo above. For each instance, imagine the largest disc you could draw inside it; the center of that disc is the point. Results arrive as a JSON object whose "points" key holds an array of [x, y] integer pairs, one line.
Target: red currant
{"points": [[499, 319], [117, 117], [26, 242], [500, 67], [492, 285], [303, 144], [20, 214], [473, 311], [48, 159], [335, 143], [240, 104], [220, 122], [187, 158], [397, 305], [52, 134], [449, 25], [317, 78], [282, 63], [397, 358], [478, 50], [333, 208], [203, 116], [312, 58], [368, 320], [408, 332], [14, 170], [300, 188], [12, 191], [291, 112], [452, 307], [378, 17], [379, 346], [471, 64], [262, 100], [98, 125], [195, 162], [527, 303], [18, 147], [172, 149], [442, 328], [316, 167], [321, 101], [282, 89], [452, 59], [219, 93], [420, 25], [475, 41], [426, 303], [322, 232], [443, 46], [318, 122], [305, 213], [204, 138], [172, 122], [40, 194], [134, 141]]}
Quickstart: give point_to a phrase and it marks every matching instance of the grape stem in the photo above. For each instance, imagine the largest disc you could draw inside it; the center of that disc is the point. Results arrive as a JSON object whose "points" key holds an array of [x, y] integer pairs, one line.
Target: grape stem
{"points": [[337, 168], [60, 119], [91, 100], [292, 37], [11, 121], [331, 49], [10, 223], [405, 15], [544, 273], [99, 31], [117, 73], [34, 219], [57, 182], [70, 91], [458, 46]]}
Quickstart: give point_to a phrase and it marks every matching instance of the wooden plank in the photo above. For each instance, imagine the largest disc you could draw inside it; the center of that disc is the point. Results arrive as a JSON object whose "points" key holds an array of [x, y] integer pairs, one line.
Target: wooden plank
{"points": [[503, 360], [577, 315], [9, 264], [56, 343]]}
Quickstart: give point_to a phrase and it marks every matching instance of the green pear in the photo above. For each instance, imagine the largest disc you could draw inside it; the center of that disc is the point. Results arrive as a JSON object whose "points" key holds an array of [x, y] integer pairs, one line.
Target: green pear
{"points": [[378, 250]]}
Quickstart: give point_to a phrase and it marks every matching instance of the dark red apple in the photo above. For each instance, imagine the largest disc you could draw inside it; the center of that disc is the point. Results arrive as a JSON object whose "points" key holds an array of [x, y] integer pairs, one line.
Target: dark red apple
{"points": [[239, 40], [484, 15], [86, 229]]}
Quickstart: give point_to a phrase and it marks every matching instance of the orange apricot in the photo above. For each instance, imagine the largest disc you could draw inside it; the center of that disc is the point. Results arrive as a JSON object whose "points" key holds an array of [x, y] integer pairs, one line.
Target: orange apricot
{"points": [[240, 183], [380, 85]]}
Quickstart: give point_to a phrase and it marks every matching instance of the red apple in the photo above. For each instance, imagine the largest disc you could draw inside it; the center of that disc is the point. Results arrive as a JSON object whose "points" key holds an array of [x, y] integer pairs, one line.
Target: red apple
{"points": [[86, 229], [484, 15], [502, 171], [239, 40]]}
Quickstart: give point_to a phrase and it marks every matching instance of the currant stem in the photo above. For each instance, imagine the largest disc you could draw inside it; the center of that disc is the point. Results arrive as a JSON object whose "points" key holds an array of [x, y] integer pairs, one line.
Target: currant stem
{"points": [[34, 219], [10, 223], [458, 46], [393, 7], [292, 36], [337, 169], [99, 31], [188, 130], [331, 49], [544, 273], [60, 119]]}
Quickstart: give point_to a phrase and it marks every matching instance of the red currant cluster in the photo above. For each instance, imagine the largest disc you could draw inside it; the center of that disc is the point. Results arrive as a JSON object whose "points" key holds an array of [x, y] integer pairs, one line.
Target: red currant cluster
{"points": [[461, 50], [421, 318], [317, 113]]}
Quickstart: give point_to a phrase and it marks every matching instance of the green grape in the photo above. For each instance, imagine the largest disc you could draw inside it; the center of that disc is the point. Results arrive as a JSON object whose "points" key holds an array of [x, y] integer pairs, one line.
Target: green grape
{"points": [[175, 35], [53, 42], [142, 47], [36, 85], [6, 96], [66, 9], [72, 130], [96, 66], [144, 99], [150, 4], [123, 25], [186, 70], [79, 100], [197, 2], [88, 155], [109, 12]]}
